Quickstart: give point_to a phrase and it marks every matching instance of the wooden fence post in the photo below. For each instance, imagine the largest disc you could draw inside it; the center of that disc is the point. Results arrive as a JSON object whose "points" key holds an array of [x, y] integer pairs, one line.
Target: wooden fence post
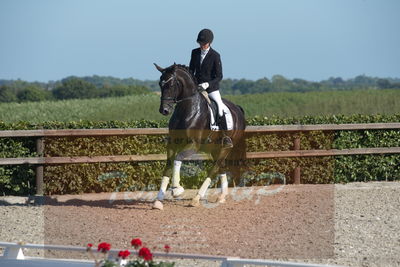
{"points": [[296, 171], [39, 168]]}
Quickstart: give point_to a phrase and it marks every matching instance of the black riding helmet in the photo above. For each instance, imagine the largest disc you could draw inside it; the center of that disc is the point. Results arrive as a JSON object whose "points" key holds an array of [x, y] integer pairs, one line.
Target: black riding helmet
{"points": [[205, 36]]}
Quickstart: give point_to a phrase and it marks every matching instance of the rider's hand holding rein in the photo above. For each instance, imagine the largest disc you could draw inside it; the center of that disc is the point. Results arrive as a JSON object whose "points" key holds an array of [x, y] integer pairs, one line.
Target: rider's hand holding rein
{"points": [[204, 86]]}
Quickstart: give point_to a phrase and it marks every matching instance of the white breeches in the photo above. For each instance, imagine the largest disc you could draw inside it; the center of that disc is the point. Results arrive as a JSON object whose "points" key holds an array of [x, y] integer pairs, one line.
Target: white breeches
{"points": [[222, 108]]}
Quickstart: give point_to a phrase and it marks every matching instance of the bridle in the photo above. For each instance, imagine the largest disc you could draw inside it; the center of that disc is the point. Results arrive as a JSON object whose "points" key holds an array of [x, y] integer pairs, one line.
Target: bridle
{"points": [[170, 98], [173, 99]]}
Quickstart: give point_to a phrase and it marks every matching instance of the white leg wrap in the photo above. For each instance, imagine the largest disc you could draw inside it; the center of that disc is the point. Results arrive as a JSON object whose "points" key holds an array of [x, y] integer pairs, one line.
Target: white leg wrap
{"points": [[163, 188], [177, 189], [204, 187], [224, 184], [176, 173]]}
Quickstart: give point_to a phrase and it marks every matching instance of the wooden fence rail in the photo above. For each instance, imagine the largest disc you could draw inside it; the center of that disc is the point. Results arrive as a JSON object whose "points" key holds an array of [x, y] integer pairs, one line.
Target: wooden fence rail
{"points": [[41, 161]]}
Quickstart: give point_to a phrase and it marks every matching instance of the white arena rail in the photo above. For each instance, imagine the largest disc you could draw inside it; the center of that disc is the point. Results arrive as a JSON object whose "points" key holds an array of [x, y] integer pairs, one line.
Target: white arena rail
{"points": [[13, 256]]}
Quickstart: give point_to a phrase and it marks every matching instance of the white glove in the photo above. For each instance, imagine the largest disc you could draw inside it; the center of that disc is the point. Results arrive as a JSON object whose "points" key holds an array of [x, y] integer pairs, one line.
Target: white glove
{"points": [[204, 86]]}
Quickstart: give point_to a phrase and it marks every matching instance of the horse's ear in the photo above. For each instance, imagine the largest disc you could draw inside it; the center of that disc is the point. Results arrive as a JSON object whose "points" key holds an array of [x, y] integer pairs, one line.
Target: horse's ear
{"points": [[158, 67]]}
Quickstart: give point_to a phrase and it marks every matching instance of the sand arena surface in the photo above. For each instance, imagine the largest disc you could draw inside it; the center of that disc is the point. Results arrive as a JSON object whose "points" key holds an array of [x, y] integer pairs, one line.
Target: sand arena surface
{"points": [[355, 224]]}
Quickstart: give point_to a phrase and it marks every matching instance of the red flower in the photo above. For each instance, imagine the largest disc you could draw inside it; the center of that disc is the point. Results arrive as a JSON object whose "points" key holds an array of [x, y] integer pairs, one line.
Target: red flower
{"points": [[167, 248], [124, 254], [145, 254], [136, 243], [104, 247]]}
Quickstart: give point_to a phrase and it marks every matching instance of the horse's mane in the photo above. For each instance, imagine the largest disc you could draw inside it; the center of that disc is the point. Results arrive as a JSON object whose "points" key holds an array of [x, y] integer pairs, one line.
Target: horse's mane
{"points": [[185, 69]]}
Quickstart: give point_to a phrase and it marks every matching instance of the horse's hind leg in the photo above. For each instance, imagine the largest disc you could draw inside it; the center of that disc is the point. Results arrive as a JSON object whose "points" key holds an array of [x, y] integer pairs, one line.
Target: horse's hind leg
{"points": [[224, 188], [202, 191], [220, 157]]}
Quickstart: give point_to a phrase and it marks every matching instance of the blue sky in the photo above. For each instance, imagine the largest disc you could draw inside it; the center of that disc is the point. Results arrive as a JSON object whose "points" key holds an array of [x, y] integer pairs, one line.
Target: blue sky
{"points": [[310, 39]]}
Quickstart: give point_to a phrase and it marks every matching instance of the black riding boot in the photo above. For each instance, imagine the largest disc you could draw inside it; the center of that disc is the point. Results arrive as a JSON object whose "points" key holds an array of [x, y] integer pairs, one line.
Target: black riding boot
{"points": [[226, 140]]}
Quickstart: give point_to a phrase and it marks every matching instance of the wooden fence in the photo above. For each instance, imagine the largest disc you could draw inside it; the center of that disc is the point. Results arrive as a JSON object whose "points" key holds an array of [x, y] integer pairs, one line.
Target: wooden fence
{"points": [[41, 161]]}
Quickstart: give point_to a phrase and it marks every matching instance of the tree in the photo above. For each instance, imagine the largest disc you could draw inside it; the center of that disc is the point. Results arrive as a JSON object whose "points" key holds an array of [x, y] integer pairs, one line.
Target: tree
{"points": [[33, 93], [261, 86], [280, 84], [243, 85], [122, 90], [7, 94], [383, 84], [75, 88]]}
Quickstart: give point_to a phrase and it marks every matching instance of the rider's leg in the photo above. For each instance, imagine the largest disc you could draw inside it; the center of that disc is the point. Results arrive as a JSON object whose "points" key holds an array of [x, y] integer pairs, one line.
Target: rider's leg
{"points": [[216, 96]]}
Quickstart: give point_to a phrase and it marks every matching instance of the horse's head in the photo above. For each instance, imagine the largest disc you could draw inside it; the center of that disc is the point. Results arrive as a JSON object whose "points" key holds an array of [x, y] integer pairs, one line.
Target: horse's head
{"points": [[170, 91]]}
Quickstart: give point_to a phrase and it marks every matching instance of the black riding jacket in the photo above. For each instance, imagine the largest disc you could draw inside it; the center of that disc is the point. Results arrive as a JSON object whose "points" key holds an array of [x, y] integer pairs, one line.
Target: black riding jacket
{"points": [[209, 71]]}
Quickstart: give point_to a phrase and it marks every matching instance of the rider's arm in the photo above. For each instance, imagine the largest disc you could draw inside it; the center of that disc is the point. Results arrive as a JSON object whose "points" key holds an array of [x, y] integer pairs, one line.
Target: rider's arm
{"points": [[192, 66], [217, 72]]}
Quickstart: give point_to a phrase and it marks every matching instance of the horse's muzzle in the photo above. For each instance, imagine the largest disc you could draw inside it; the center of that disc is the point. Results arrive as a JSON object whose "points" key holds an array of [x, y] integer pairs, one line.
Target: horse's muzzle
{"points": [[164, 110]]}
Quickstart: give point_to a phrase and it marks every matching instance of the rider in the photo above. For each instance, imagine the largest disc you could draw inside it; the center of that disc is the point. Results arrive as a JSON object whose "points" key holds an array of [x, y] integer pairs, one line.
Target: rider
{"points": [[205, 65]]}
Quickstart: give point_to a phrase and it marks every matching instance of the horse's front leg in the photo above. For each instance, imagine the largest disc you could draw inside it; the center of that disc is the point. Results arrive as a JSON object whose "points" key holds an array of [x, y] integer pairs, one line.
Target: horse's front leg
{"points": [[171, 151], [187, 151]]}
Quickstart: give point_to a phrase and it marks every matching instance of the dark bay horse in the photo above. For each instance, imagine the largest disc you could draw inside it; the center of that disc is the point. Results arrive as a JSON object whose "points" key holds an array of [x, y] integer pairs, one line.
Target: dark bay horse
{"points": [[189, 132]]}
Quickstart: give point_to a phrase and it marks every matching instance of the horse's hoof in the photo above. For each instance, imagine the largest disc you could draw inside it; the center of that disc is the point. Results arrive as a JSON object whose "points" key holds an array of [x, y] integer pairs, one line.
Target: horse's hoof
{"points": [[177, 191], [195, 201], [158, 205], [221, 199]]}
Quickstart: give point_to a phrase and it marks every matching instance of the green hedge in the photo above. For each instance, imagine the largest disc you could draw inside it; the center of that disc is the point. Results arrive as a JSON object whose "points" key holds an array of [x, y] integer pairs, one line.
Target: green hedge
{"points": [[102, 177]]}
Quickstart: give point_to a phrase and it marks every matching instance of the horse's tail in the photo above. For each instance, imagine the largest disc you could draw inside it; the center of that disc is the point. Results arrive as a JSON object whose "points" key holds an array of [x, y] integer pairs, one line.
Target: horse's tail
{"points": [[237, 156]]}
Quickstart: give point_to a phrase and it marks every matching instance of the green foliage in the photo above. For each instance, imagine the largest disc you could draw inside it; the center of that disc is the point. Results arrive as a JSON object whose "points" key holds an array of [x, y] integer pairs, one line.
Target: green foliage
{"points": [[319, 103], [75, 88], [7, 94], [72, 88], [122, 90], [33, 93], [110, 177], [314, 170], [145, 106], [16, 179], [383, 84], [106, 109], [107, 86]]}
